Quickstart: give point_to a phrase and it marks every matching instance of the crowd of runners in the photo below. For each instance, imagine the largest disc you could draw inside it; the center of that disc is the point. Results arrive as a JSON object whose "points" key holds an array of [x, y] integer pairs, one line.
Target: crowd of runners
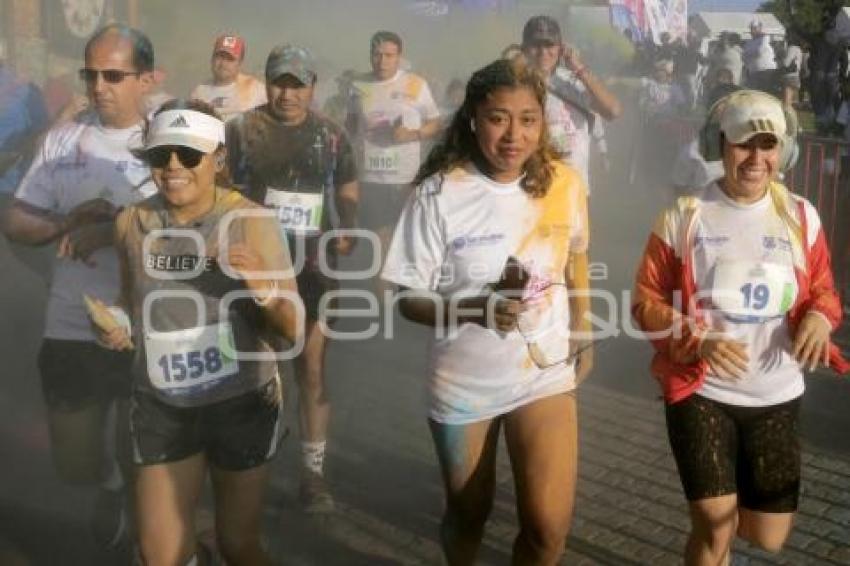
{"points": [[198, 241]]}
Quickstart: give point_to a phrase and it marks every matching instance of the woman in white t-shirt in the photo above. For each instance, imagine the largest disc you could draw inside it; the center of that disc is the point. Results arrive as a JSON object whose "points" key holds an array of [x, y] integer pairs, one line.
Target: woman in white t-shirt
{"points": [[736, 290], [485, 252]]}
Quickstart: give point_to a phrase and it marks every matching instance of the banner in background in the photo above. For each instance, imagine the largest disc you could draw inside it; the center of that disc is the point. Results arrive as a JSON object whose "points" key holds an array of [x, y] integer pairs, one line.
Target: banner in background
{"points": [[629, 15], [648, 19]]}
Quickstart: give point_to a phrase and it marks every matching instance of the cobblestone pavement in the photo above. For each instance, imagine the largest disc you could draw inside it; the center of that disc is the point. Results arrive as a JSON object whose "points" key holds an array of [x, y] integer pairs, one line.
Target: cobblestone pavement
{"points": [[629, 508]]}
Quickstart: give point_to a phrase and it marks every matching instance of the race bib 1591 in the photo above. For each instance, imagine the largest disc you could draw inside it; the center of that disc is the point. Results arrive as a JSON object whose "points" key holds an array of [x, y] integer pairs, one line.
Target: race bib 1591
{"points": [[299, 213]]}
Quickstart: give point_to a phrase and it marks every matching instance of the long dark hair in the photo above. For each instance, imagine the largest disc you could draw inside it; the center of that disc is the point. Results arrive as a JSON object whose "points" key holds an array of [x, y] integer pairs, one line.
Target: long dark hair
{"points": [[459, 143]]}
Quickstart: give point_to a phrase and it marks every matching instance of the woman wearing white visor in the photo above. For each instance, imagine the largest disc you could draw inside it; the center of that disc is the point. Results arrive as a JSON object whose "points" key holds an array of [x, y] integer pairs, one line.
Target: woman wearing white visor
{"points": [[736, 288], [207, 284]]}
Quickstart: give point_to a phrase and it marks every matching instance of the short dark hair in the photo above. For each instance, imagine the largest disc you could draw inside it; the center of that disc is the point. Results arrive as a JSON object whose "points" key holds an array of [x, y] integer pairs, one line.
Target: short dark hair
{"points": [[142, 56], [384, 36]]}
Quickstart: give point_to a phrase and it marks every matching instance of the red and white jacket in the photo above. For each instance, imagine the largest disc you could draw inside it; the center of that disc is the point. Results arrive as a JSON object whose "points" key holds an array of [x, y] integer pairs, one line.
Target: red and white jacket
{"points": [[665, 287]]}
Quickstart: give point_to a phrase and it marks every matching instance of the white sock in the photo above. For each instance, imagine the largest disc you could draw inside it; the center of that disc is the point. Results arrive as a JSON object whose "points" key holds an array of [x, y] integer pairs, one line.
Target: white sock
{"points": [[114, 480], [313, 456]]}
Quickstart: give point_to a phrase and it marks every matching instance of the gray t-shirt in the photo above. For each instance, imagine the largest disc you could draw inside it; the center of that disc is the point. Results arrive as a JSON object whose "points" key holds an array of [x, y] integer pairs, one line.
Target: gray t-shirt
{"points": [[186, 342]]}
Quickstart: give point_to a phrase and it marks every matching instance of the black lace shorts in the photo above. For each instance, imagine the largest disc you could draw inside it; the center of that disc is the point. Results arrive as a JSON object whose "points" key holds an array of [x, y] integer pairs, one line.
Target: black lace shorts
{"points": [[722, 449]]}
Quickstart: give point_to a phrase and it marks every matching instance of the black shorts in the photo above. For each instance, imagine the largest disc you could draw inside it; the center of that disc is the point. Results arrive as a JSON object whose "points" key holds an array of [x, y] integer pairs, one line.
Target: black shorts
{"points": [[235, 434], [312, 286], [76, 374], [723, 449], [381, 205]]}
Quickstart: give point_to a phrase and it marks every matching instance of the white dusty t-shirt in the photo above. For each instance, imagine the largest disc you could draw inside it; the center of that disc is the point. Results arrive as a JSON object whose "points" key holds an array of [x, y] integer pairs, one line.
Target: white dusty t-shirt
{"points": [[378, 107], [454, 238], [78, 162], [568, 118], [691, 172], [243, 94], [759, 55], [730, 236]]}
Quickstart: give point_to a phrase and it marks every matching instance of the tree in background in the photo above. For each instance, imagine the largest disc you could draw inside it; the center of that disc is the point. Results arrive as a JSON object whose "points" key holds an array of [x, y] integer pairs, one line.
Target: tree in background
{"points": [[808, 15]]}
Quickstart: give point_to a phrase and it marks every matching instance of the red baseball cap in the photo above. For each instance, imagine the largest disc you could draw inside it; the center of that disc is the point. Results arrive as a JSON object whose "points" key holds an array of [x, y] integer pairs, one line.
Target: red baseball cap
{"points": [[231, 44]]}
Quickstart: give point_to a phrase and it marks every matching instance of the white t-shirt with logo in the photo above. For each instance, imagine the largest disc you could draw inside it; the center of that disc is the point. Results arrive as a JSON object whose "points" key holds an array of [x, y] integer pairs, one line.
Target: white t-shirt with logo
{"points": [[749, 246], [78, 162], [569, 120], [243, 94], [454, 238], [379, 106]]}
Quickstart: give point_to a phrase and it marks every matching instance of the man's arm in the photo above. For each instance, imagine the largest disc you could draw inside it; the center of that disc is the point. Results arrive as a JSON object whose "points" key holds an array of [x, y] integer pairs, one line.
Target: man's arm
{"points": [[602, 100], [27, 224], [88, 226], [346, 200]]}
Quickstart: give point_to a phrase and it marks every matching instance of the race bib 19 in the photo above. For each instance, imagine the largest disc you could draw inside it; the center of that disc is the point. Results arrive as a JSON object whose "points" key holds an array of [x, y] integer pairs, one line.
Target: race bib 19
{"points": [[190, 358], [751, 292], [381, 159], [299, 213]]}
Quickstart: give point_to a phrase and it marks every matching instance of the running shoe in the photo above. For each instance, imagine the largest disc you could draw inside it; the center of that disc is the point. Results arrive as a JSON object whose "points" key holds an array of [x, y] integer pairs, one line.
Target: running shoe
{"points": [[109, 518], [315, 496]]}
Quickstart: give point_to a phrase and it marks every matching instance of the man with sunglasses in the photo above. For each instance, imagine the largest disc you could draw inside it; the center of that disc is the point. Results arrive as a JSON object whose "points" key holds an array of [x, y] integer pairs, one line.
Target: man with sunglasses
{"points": [[230, 91], [81, 176], [575, 95], [287, 157]]}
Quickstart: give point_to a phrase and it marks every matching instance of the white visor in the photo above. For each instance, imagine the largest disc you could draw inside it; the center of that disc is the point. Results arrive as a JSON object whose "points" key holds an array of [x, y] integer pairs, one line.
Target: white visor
{"points": [[188, 128]]}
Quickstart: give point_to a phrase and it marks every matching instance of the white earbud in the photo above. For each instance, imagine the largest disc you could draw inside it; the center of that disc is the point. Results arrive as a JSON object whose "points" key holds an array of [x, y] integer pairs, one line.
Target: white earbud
{"points": [[472, 124]]}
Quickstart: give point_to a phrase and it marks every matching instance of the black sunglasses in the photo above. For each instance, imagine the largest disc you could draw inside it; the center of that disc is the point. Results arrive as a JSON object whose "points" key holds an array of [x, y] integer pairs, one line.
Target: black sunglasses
{"points": [[112, 76], [160, 157]]}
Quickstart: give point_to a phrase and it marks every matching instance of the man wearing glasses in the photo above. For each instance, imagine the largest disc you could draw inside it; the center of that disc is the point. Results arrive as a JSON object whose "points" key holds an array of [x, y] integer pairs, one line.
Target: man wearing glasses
{"points": [[82, 174]]}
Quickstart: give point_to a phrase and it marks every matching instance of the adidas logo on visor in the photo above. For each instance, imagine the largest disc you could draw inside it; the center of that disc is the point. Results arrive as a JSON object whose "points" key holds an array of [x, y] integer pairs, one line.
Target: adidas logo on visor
{"points": [[762, 125], [179, 122]]}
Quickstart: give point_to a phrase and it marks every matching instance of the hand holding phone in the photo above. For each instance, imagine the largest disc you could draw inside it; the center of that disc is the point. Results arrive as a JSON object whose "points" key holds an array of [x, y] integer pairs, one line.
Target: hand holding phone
{"points": [[570, 57]]}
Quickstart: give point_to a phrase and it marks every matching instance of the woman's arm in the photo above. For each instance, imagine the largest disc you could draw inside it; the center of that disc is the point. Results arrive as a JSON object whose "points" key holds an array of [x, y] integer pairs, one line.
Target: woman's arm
{"points": [[581, 332], [432, 309]]}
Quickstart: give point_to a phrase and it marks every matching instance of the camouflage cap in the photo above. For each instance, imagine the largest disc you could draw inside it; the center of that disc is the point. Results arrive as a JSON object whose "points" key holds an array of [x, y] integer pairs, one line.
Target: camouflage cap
{"points": [[291, 60]]}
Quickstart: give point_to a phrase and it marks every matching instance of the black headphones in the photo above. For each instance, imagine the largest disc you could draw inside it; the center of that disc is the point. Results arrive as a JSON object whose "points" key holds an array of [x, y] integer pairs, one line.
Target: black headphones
{"points": [[709, 135]]}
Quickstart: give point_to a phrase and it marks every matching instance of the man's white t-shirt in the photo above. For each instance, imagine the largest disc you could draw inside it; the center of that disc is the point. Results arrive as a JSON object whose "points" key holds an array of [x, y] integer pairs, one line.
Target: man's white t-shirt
{"points": [[759, 55], [378, 107], [568, 118], [661, 98], [454, 238], [793, 60], [774, 376], [78, 162], [243, 94], [691, 172]]}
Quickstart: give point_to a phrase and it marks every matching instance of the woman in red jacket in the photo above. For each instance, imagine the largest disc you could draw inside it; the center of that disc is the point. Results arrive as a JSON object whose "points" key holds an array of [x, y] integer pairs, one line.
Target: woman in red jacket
{"points": [[736, 293]]}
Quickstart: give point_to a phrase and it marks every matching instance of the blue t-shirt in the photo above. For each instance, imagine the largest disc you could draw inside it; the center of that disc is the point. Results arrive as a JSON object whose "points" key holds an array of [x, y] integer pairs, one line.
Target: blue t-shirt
{"points": [[22, 114]]}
